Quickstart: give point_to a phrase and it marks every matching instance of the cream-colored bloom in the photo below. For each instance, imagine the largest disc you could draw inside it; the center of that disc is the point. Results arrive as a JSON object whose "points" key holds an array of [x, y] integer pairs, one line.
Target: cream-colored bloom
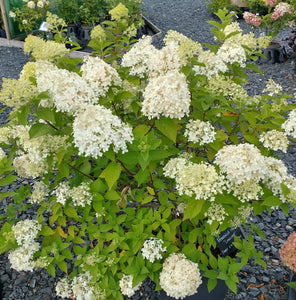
{"points": [[12, 14], [26, 231], [119, 12], [179, 277], [126, 285], [81, 287], [272, 88], [216, 212], [81, 195], [152, 249], [175, 165], [241, 163], [167, 95], [69, 91], [45, 50], [200, 132], [63, 288], [187, 48], [290, 124], [95, 129], [99, 75], [31, 4], [200, 180], [275, 140], [98, 33], [40, 191], [139, 56]]}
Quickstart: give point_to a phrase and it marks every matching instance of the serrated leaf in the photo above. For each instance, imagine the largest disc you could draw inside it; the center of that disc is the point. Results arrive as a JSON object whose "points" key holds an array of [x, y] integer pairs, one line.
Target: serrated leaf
{"points": [[46, 231], [212, 282], [71, 212], [51, 270], [254, 68]]}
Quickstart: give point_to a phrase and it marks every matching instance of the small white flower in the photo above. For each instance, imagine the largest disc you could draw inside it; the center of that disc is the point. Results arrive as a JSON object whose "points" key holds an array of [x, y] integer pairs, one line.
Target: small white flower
{"points": [[40, 4], [24, 22], [31, 4], [152, 249], [126, 285], [12, 14]]}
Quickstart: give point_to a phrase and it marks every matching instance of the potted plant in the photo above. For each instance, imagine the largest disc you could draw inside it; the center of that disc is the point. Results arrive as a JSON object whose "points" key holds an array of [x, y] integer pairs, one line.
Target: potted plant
{"points": [[140, 166], [30, 14], [276, 15]]}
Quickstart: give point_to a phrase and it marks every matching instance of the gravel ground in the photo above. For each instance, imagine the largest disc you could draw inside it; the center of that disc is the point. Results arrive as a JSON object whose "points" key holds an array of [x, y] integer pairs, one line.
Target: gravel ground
{"points": [[188, 17]]}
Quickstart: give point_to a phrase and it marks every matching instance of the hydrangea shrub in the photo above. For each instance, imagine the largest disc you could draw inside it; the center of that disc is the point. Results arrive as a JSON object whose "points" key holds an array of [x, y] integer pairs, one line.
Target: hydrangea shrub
{"points": [[138, 165]]}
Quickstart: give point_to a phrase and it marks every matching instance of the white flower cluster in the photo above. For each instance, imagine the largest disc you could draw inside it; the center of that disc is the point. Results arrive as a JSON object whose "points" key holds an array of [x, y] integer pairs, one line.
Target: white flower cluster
{"points": [[25, 232], [95, 129], [200, 132], [216, 212], [186, 47], [32, 160], [272, 88], [126, 285], [167, 92], [211, 66], [138, 57], [232, 53], [179, 277], [202, 180], [40, 191], [152, 249], [241, 163], [80, 287], [290, 124], [275, 140], [245, 168], [68, 91], [99, 75], [80, 194], [167, 95]]}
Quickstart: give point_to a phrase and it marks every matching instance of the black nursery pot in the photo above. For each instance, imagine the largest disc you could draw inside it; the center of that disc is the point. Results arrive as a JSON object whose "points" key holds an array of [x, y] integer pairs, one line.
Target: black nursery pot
{"points": [[218, 293], [291, 291]]}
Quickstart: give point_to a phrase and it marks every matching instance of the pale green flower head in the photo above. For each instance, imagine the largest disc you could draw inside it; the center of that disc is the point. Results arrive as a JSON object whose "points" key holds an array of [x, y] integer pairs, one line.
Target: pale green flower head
{"points": [[98, 33], [119, 13]]}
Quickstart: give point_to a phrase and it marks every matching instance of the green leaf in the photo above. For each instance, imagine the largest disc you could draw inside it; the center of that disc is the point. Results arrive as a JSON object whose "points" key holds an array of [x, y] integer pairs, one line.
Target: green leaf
{"points": [[63, 266], [292, 284], [231, 284], [71, 212], [46, 231], [254, 68], [272, 201], [193, 208], [212, 282], [46, 114], [7, 180], [212, 274], [190, 251], [51, 270], [111, 173], [40, 129], [167, 127]]}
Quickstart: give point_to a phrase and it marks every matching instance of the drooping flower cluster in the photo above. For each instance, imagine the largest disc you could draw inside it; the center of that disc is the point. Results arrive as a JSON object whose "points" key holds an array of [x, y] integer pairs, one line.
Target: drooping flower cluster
{"points": [[167, 95], [95, 129], [200, 132], [290, 124], [99, 75], [288, 252], [152, 249], [179, 277], [275, 140], [126, 285], [25, 232]]}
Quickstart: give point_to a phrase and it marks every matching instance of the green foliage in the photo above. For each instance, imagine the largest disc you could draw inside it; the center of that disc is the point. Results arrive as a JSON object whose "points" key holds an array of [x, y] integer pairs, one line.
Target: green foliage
{"points": [[98, 211]]}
